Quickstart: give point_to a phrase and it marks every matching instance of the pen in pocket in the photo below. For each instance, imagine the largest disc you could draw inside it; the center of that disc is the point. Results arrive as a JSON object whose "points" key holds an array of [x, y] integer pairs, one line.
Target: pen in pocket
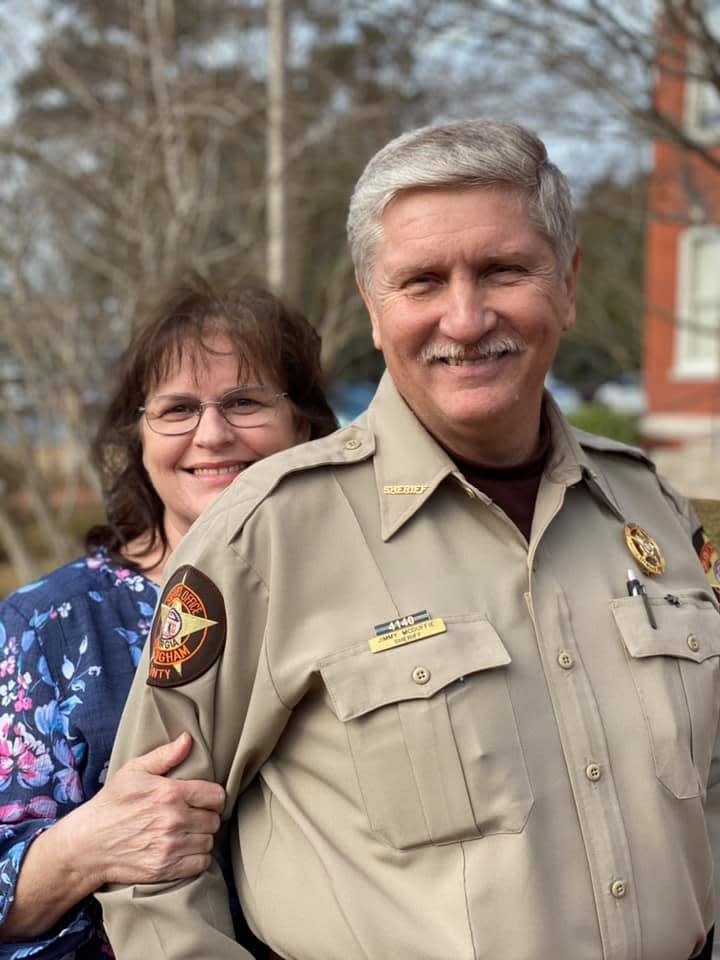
{"points": [[636, 589]]}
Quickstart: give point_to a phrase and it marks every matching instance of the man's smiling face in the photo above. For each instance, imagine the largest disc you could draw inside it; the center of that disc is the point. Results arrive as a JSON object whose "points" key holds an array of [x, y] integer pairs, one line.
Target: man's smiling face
{"points": [[468, 305]]}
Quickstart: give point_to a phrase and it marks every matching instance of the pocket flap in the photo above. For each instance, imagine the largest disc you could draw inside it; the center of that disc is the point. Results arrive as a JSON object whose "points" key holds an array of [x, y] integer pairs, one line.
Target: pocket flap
{"points": [[359, 681], [690, 630]]}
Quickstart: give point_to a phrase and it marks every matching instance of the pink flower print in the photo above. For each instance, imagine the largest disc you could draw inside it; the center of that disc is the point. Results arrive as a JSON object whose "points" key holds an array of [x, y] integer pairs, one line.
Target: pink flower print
{"points": [[8, 666], [122, 574], [22, 755], [41, 808], [34, 769], [11, 812], [44, 808], [23, 703]]}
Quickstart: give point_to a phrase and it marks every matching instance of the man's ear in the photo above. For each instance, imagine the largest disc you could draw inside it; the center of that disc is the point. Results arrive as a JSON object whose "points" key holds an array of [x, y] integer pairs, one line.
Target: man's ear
{"points": [[570, 284], [372, 311]]}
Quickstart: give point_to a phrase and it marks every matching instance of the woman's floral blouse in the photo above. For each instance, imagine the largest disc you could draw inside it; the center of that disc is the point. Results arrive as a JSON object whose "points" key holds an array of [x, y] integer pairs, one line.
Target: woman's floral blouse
{"points": [[69, 645]]}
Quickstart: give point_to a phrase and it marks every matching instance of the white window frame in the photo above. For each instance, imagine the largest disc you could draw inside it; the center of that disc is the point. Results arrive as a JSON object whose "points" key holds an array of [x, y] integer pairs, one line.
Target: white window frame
{"points": [[695, 89], [706, 367]]}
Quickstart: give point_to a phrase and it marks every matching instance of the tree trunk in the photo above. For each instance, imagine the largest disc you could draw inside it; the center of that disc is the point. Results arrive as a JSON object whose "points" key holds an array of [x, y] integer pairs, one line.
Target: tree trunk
{"points": [[18, 554], [276, 190]]}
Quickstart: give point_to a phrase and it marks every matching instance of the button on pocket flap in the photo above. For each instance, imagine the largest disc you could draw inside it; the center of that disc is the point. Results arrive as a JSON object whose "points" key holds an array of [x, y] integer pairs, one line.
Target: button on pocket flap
{"points": [[689, 629], [360, 681]]}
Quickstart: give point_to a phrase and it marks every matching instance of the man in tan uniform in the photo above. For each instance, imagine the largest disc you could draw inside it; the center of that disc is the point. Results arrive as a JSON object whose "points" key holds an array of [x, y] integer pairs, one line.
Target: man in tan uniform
{"points": [[457, 665]]}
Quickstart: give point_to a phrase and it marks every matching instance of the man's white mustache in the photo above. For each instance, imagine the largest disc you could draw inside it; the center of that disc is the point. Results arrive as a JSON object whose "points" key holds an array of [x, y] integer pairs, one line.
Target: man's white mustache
{"points": [[482, 350]]}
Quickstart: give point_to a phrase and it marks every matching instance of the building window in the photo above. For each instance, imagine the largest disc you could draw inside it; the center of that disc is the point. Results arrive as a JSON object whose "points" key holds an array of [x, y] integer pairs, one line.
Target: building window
{"points": [[702, 96], [697, 330]]}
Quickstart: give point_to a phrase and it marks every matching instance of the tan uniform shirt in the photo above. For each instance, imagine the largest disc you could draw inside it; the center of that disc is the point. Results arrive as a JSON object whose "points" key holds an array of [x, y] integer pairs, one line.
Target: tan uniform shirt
{"points": [[529, 783]]}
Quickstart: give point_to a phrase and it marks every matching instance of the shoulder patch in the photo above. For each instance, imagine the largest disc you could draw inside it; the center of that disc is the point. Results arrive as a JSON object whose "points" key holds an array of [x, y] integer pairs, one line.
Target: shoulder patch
{"points": [[188, 633], [709, 558]]}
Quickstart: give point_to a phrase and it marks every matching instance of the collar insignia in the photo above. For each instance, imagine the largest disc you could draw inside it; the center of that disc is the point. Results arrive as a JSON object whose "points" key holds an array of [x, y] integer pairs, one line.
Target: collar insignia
{"points": [[393, 490]]}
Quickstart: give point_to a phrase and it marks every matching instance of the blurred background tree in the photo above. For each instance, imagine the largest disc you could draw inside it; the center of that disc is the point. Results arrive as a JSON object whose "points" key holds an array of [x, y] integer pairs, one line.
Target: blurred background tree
{"points": [[149, 136]]}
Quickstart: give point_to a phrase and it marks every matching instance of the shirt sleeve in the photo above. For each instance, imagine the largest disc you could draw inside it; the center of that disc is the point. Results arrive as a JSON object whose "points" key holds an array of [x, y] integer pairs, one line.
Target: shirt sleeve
{"points": [[38, 776], [210, 629], [712, 815], [710, 561]]}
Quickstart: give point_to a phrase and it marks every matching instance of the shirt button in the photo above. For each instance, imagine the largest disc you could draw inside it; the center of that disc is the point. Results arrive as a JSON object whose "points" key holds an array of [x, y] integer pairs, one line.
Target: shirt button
{"points": [[421, 675], [618, 889], [593, 771], [352, 444], [693, 642], [565, 660]]}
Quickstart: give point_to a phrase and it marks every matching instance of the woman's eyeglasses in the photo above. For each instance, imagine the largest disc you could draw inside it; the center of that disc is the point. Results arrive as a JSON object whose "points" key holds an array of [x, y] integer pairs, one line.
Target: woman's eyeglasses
{"points": [[245, 407]]}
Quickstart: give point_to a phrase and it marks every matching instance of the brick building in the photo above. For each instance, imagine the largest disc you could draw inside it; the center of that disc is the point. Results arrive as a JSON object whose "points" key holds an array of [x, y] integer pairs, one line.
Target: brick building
{"points": [[682, 323]]}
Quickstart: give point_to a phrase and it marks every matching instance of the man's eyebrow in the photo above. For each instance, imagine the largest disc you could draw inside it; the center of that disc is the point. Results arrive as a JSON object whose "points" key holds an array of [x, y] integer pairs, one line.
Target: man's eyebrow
{"points": [[404, 271]]}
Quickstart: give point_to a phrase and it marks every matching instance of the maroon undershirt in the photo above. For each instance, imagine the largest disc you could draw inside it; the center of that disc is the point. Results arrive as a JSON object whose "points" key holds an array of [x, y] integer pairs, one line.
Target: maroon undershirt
{"points": [[513, 489]]}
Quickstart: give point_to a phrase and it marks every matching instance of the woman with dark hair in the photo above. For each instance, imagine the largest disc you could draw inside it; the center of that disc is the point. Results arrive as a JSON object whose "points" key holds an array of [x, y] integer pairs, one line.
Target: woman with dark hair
{"points": [[210, 384]]}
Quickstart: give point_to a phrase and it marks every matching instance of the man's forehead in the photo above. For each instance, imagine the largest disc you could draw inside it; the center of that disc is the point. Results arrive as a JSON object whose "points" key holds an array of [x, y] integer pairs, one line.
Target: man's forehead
{"points": [[414, 225], [504, 193]]}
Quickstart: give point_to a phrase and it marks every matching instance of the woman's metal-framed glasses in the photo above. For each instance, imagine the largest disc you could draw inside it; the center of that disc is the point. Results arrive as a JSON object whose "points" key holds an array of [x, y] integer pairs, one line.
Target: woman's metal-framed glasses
{"points": [[245, 407]]}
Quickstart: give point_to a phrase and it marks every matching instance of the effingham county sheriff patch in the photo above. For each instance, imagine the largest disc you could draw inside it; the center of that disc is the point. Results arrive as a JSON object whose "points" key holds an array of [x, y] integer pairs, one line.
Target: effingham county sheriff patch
{"points": [[188, 633], [710, 559]]}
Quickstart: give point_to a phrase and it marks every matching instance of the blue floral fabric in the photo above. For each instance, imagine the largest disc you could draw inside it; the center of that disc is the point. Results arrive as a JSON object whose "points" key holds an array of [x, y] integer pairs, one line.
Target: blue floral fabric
{"points": [[69, 645]]}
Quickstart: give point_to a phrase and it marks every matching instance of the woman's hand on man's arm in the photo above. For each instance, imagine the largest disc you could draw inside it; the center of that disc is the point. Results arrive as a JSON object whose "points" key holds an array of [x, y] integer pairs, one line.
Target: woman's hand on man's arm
{"points": [[142, 827]]}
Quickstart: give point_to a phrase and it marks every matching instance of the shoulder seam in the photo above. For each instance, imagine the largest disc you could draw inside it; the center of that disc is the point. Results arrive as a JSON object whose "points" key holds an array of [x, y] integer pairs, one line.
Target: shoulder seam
{"points": [[589, 440]]}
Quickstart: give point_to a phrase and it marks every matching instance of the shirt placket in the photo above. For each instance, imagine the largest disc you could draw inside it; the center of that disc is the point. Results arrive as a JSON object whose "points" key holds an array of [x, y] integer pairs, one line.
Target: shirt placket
{"points": [[580, 728]]}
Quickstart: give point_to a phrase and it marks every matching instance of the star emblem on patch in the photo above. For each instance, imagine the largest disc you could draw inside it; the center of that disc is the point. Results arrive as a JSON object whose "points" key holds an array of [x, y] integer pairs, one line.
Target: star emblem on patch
{"points": [[188, 634]]}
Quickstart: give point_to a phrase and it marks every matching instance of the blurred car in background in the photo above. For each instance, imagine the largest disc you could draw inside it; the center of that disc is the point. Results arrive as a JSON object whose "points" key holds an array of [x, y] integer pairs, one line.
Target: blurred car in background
{"points": [[349, 400], [565, 396], [624, 395]]}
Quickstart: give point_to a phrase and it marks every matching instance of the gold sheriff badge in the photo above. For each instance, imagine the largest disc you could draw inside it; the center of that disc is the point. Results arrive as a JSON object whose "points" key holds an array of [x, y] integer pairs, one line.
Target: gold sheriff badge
{"points": [[645, 550]]}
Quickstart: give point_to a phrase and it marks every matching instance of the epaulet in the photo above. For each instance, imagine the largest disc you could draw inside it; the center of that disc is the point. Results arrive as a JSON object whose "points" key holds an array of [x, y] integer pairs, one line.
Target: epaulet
{"points": [[600, 444], [231, 510]]}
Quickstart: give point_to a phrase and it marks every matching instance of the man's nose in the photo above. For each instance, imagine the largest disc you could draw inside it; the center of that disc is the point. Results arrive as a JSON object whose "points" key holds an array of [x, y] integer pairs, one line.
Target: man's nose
{"points": [[467, 316]]}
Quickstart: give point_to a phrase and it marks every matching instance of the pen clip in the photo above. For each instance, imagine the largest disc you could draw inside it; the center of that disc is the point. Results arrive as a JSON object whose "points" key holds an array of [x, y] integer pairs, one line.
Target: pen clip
{"points": [[636, 589]]}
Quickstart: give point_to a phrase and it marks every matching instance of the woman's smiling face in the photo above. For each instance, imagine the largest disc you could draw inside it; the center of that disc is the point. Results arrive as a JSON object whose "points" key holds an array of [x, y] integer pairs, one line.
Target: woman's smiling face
{"points": [[189, 471]]}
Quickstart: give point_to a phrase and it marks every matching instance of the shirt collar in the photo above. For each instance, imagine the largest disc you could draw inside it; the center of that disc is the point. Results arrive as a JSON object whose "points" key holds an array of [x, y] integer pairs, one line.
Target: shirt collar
{"points": [[569, 463], [410, 465]]}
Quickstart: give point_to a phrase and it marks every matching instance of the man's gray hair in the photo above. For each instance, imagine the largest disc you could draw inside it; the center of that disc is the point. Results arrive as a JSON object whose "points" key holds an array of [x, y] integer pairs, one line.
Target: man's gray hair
{"points": [[470, 153]]}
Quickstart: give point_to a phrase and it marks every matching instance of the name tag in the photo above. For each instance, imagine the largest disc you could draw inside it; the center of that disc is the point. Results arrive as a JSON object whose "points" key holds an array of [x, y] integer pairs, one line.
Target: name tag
{"points": [[415, 626]]}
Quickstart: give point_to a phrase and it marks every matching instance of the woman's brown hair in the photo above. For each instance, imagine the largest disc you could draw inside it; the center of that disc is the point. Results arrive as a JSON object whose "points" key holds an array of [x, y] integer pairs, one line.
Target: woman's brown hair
{"points": [[264, 331]]}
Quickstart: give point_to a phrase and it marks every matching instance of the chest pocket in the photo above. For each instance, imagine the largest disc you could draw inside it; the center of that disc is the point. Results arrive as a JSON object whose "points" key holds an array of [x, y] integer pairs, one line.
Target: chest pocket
{"points": [[677, 677], [433, 736]]}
